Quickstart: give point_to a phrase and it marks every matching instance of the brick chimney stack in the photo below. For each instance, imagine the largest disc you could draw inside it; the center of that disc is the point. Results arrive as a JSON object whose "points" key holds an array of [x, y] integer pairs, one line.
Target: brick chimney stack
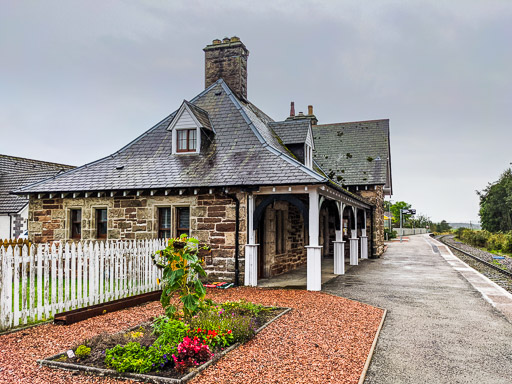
{"points": [[227, 60], [292, 109]]}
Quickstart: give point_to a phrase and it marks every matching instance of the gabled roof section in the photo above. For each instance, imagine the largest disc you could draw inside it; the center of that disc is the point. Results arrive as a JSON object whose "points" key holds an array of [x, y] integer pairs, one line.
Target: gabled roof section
{"points": [[16, 172], [292, 131], [198, 115], [243, 152], [356, 153]]}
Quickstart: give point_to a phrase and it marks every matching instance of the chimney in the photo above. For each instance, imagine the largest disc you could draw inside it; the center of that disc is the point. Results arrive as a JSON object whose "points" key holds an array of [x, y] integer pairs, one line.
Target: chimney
{"points": [[292, 109], [310, 110], [227, 60]]}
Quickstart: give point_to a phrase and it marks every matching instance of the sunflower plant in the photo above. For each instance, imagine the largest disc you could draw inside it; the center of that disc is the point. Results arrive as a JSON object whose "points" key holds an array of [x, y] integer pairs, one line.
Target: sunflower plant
{"points": [[182, 270]]}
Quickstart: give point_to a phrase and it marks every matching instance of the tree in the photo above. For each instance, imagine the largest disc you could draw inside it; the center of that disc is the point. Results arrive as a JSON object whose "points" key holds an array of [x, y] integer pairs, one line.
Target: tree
{"points": [[395, 210], [496, 204]]}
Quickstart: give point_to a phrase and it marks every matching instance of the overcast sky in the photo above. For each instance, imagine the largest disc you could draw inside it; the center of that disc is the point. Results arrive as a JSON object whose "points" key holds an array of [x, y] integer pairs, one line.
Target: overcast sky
{"points": [[81, 79]]}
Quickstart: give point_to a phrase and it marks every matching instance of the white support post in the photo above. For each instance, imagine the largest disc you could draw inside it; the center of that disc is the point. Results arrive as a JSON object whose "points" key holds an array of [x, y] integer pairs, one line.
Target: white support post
{"points": [[339, 246], [314, 254], [354, 249], [251, 248], [364, 240]]}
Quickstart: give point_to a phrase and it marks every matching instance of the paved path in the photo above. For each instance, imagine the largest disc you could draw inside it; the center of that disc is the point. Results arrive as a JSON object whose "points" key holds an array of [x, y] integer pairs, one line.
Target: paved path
{"points": [[439, 329]]}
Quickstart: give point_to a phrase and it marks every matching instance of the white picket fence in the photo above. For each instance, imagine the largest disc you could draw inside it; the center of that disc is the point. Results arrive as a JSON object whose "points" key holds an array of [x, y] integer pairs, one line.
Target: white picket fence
{"points": [[39, 282]]}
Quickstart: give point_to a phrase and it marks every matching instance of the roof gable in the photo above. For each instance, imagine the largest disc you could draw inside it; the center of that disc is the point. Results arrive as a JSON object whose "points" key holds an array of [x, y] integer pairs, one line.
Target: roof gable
{"points": [[190, 116]]}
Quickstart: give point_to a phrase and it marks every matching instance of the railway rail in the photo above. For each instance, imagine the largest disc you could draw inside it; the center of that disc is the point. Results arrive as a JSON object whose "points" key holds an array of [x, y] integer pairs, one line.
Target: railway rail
{"points": [[496, 274]]}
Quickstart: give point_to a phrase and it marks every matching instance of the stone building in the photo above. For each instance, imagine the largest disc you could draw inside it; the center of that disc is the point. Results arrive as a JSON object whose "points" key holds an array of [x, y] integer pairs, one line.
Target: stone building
{"points": [[14, 173], [221, 170]]}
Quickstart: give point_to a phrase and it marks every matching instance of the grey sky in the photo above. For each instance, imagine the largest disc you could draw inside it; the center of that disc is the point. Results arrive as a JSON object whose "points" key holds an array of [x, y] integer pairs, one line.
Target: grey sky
{"points": [[81, 79]]}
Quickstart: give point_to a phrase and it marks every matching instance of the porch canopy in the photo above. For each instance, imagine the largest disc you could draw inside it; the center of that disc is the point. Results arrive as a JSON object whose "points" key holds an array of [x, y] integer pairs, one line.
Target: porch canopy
{"points": [[309, 207]]}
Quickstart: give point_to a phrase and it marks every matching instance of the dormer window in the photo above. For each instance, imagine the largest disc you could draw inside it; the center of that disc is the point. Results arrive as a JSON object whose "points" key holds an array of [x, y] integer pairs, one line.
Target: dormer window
{"points": [[186, 140], [186, 127]]}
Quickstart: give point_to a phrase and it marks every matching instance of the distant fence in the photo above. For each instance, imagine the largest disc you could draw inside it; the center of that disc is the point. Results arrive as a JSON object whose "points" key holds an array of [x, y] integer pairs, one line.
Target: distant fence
{"points": [[410, 231], [37, 282]]}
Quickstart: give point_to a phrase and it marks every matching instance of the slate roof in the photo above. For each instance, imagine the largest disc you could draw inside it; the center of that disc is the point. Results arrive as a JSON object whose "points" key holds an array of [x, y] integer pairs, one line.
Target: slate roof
{"points": [[356, 153], [244, 151], [201, 115], [16, 172], [291, 131]]}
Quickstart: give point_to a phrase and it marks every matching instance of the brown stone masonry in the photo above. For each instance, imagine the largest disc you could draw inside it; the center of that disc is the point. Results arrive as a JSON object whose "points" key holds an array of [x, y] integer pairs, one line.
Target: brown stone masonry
{"points": [[212, 221], [376, 197]]}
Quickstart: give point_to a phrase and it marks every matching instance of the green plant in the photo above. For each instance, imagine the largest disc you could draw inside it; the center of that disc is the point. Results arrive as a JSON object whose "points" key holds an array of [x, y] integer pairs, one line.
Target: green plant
{"points": [[169, 331], [135, 358], [213, 338], [82, 351], [182, 271], [244, 308], [390, 233], [191, 352], [217, 318]]}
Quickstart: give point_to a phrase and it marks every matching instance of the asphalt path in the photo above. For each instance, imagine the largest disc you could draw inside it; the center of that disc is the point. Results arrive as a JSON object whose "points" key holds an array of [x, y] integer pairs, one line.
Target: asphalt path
{"points": [[438, 329]]}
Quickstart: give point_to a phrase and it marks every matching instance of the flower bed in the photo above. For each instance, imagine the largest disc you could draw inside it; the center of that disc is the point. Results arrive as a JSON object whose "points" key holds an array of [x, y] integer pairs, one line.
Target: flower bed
{"points": [[169, 350]]}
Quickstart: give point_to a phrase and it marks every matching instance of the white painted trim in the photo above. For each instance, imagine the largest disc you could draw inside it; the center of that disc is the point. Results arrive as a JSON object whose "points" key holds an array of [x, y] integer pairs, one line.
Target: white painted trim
{"points": [[184, 107]]}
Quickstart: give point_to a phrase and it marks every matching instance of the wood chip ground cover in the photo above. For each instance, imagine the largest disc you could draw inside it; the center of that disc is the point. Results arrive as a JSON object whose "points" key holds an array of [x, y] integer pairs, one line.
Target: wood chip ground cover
{"points": [[324, 339]]}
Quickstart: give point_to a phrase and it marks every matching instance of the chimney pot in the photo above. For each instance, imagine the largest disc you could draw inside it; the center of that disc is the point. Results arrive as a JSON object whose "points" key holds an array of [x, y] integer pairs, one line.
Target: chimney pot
{"points": [[235, 39], [292, 109], [301, 113], [226, 40], [310, 110], [216, 41]]}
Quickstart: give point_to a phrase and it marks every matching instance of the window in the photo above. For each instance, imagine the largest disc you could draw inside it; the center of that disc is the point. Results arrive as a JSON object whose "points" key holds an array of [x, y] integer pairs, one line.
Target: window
{"points": [[164, 223], [186, 139], [280, 232], [76, 224], [101, 223], [182, 221]]}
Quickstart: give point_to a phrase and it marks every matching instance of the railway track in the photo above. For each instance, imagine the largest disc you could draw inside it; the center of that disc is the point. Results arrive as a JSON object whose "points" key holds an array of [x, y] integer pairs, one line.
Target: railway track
{"points": [[496, 274]]}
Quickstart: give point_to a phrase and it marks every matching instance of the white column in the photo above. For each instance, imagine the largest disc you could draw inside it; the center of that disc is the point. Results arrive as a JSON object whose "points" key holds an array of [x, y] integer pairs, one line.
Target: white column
{"points": [[354, 251], [251, 249], [314, 254], [364, 240], [339, 246], [339, 257]]}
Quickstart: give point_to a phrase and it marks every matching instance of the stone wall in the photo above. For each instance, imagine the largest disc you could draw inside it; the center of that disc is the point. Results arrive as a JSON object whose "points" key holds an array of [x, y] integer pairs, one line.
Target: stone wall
{"points": [[376, 197], [294, 255], [212, 221]]}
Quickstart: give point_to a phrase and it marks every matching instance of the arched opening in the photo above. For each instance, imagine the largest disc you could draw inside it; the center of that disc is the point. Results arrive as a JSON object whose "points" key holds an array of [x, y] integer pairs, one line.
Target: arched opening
{"points": [[281, 230], [329, 223]]}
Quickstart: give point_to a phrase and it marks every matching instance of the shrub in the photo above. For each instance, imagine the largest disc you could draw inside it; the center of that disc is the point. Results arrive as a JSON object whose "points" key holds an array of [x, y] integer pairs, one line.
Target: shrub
{"points": [[191, 353], [135, 358], [244, 308], [391, 234], [213, 338], [217, 318], [82, 351], [182, 270], [169, 331]]}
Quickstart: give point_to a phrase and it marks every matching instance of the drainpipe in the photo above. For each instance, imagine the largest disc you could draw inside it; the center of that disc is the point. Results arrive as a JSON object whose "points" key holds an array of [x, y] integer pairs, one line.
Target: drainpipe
{"points": [[372, 225], [237, 237], [10, 225]]}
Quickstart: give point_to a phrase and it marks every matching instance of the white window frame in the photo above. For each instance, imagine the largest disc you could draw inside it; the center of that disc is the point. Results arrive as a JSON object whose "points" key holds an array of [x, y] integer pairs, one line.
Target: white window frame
{"points": [[196, 126]]}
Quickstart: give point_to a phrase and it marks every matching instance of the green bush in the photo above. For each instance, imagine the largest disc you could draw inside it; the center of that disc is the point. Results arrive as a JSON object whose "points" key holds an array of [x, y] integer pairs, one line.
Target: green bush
{"points": [[390, 233], [135, 358], [169, 331], [217, 318], [82, 352], [244, 308]]}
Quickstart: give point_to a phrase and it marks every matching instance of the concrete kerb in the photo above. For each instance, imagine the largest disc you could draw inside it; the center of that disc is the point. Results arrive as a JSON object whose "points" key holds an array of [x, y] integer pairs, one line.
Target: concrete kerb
{"points": [[372, 348]]}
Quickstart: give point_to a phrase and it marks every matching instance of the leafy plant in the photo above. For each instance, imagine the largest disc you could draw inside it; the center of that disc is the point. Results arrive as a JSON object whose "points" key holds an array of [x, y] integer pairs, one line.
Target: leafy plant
{"points": [[213, 338], [82, 351], [191, 353], [135, 358], [182, 271], [169, 331], [217, 318], [244, 308]]}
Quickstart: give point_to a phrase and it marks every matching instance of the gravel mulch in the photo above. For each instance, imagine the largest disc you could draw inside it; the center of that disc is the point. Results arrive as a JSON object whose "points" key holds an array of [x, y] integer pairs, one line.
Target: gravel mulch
{"points": [[324, 339]]}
